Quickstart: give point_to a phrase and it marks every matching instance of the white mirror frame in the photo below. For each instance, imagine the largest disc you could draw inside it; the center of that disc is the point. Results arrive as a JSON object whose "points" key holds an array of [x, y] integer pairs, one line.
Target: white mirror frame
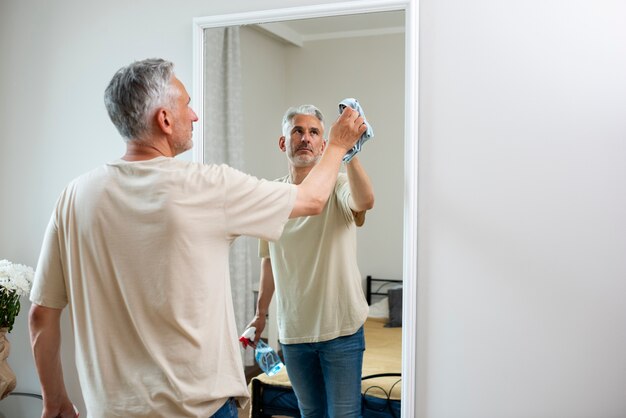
{"points": [[410, 326]]}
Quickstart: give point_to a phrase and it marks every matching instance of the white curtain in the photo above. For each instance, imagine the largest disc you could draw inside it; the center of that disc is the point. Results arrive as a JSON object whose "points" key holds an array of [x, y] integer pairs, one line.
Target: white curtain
{"points": [[223, 143]]}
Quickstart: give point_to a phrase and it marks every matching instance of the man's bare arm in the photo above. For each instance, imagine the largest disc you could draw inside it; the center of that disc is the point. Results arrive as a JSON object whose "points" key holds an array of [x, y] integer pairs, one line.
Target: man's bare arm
{"points": [[266, 291], [45, 337], [362, 193]]}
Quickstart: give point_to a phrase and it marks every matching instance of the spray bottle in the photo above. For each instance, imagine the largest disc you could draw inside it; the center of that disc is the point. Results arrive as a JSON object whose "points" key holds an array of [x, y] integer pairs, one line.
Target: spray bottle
{"points": [[265, 356]]}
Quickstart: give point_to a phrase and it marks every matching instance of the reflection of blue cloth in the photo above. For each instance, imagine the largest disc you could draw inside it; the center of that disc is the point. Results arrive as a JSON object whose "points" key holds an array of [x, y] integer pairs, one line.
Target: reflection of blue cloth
{"points": [[368, 134]]}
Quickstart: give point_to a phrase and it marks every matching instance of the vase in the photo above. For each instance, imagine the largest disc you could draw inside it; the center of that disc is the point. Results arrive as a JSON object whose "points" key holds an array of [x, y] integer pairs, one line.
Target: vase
{"points": [[7, 377]]}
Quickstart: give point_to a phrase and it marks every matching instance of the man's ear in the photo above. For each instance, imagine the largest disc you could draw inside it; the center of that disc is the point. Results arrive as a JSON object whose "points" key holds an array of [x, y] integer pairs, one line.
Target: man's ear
{"points": [[323, 145], [164, 120], [281, 144]]}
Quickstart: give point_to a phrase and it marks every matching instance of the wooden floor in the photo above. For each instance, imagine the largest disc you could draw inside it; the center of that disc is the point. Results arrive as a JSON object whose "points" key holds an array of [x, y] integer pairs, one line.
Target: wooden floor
{"points": [[244, 413]]}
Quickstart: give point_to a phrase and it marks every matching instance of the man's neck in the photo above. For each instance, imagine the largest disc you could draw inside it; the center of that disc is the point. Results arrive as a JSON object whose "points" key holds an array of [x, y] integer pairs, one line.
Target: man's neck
{"points": [[298, 174], [137, 150]]}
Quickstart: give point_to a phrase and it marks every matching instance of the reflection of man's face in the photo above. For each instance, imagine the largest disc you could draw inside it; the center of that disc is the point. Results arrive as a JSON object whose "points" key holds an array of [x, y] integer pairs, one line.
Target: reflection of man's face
{"points": [[184, 117], [305, 143]]}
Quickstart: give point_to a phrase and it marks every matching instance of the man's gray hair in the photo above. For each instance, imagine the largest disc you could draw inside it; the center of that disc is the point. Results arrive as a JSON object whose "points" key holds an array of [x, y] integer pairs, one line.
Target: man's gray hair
{"points": [[135, 91], [292, 112]]}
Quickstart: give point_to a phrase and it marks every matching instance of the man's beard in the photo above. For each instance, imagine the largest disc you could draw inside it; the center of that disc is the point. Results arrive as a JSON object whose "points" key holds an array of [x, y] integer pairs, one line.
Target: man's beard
{"points": [[304, 160]]}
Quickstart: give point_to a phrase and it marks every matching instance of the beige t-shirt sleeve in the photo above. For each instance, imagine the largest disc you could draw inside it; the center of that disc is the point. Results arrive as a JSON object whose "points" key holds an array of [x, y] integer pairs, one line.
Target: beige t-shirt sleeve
{"points": [[343, 193], [264, 249], [49, 284], [258, 208]]}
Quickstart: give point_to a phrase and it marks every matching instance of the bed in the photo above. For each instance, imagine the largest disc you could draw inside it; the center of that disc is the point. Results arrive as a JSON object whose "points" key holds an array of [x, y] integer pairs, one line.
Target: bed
{"points": [[381, 381]]}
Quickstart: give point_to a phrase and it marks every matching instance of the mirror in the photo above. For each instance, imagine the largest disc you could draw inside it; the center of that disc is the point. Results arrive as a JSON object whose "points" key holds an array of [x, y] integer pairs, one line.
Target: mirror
{"points": [[286, 62]]}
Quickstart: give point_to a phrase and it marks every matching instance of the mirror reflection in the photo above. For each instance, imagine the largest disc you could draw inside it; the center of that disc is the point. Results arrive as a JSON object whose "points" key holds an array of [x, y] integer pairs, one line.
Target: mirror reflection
{"points": [[328, 288]]}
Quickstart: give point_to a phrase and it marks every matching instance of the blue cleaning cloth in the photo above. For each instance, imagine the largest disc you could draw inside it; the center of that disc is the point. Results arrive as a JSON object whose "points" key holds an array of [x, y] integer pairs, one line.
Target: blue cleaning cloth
{"points": [[367, 135]]}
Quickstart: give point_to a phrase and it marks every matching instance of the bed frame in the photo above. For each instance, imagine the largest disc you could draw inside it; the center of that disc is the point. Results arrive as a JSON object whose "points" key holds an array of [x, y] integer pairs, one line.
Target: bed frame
{"points": [[379, 285], [270, 400]]}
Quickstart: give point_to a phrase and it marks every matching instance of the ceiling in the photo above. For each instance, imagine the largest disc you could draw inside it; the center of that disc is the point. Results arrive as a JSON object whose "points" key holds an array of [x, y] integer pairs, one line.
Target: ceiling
{"points": [[337, 24], [298, 32]]}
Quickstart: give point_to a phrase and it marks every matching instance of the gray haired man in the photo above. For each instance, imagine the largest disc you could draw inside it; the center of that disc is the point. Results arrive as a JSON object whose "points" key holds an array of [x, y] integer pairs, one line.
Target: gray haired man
{"points": [[312, 270], [138, 251]]}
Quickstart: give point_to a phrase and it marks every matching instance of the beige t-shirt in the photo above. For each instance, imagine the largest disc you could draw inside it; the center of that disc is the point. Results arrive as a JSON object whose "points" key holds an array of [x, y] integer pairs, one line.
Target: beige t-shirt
{"points": [[139, 250], [318, 284]]}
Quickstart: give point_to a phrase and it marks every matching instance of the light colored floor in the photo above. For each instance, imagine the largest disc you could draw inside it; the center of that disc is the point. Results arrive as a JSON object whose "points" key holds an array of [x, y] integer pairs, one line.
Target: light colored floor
{"points": [[244, 413]]}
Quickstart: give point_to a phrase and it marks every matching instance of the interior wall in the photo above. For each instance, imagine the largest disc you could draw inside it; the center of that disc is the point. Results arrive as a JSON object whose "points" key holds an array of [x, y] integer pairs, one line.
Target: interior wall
{"points": [[522, 232], [264, 92]]}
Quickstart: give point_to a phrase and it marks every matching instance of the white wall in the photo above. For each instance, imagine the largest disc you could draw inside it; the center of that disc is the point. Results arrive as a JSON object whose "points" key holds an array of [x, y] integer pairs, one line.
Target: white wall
{"points": [[522, 229], [264, 93]]}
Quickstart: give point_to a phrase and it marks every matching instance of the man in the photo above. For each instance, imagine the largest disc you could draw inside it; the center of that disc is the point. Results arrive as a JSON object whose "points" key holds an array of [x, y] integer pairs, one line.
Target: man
{"points": [[138, 250], [312, 268]]}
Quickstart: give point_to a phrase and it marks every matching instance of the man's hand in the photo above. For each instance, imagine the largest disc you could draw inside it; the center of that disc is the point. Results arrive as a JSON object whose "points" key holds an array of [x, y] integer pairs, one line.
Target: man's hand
{"points": [[347, 129], [258, 322], [64, 409]]}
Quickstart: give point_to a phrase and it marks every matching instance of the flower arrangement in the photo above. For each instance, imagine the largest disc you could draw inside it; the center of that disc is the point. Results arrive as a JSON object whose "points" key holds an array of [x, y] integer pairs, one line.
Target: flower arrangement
{"points": [[15, 281]]}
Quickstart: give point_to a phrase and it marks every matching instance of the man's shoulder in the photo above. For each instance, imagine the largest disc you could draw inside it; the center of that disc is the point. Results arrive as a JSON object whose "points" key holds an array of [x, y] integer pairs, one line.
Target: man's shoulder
{"points": [[88, 176], [284, 179], [342, 182], [342, 177]]}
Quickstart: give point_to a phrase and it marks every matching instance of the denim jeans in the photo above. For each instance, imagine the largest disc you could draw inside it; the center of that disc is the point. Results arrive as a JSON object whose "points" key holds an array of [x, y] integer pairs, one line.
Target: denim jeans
{"points": [[228, 410], [326, 376]]}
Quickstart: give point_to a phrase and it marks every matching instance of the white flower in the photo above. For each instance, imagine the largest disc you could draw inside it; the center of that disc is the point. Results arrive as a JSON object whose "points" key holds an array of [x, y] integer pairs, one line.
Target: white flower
{"points": [[16, 277]]}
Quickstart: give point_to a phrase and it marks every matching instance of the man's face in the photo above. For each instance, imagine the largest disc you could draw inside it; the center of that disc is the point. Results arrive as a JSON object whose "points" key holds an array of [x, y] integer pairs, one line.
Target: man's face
{"points": [[183, 118], [305, 144]]}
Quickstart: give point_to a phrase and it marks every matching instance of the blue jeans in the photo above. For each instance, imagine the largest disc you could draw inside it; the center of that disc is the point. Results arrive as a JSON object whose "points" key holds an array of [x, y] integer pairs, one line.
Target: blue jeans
{"points": [[228, 410], [326, 376]]}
